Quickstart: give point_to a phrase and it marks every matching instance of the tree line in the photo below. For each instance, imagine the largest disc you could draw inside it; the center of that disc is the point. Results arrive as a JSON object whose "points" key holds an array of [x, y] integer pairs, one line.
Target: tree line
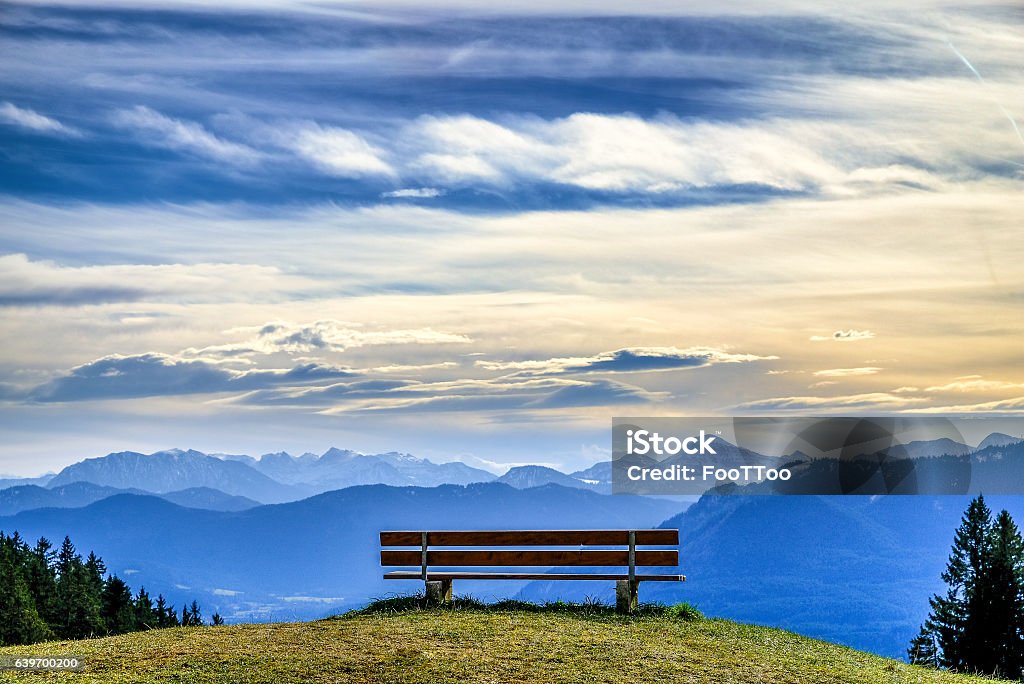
{"points": [[978, 625], [48, 593]]}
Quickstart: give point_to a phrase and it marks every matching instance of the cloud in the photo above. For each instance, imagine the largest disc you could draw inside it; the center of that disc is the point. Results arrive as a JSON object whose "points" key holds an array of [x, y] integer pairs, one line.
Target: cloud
{"points": [[323, 336], [476, 396], [627, 360], [614, 153], [975, 383], [847, 372], [337, 151], [34, 121], [414, 193], [468, 394], [156, 375], [158, 130], [1009, 406], [597, 393], [25, 282], [408, 368], [873, 400], [844, 336]]}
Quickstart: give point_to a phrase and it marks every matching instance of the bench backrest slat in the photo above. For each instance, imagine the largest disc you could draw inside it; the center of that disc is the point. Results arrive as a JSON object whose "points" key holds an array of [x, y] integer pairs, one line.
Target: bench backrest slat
{"points": [[529, 558], [530, 538]]}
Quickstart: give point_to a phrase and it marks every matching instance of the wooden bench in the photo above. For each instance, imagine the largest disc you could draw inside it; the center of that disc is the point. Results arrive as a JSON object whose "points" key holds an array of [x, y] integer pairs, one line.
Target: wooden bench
{"points": [[448, 549]]}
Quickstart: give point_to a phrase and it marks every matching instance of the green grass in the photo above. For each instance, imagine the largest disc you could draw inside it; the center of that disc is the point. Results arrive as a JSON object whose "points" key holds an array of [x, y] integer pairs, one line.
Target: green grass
{"points": [[399, 640]]}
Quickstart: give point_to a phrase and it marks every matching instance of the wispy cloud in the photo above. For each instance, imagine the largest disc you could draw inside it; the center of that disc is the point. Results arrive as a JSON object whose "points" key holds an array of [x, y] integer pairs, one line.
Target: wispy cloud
{"points": [[413, 193], [34, 121], [847, 372], [867, 401], [26, 282], [337, 152], [160, 375], [629, 360], [323, 336], [156, 129], [975, 383], [850, 335]]}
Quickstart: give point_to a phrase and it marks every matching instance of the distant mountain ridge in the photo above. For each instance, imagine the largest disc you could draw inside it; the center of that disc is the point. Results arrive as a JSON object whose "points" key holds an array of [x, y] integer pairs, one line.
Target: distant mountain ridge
{"points": [[174, 470], [341, 468], [298, 560], [272, 478], [280, 477], [524, 477], [77, 494]]}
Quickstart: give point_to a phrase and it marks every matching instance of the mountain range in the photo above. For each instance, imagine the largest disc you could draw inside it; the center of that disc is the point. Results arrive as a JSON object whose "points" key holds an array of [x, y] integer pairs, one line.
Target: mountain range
{"points": [[281, 477], [856, 570], [309, 558], [277, 477], [77, 494]]}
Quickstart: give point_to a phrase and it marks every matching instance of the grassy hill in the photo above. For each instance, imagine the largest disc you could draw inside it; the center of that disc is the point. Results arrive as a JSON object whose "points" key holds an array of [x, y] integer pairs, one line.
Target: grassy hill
{"points": [[477, 645]]}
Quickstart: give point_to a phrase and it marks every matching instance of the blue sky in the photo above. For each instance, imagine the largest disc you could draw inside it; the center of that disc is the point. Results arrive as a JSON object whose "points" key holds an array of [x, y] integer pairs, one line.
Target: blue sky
{"points": [[480, 235]]}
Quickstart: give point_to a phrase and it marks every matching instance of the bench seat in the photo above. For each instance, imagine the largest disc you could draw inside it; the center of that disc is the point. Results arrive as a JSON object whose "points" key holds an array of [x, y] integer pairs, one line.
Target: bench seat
{"points": [[502, 554]]}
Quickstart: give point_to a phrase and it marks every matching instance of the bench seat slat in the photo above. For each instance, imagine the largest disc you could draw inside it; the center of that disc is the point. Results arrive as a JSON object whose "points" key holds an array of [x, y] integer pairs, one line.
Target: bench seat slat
{"points": [[534, 558], [436, 576], [530, 538]]}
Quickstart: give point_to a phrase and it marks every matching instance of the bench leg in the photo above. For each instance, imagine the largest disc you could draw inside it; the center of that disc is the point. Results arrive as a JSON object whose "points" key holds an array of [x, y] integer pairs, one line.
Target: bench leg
{"points": [[439, 592], [626, 596]]}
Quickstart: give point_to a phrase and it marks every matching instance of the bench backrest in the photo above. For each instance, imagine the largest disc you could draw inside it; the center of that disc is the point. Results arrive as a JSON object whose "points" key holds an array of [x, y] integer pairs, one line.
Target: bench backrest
{"points": [[427, 554]]}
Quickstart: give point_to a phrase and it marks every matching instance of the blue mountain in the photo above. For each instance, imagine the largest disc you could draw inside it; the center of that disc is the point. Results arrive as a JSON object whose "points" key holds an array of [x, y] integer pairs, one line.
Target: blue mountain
{"points": [[850, 569], [175, 470], [272, 478], [308, 558], [77, 494], [523, 477]]}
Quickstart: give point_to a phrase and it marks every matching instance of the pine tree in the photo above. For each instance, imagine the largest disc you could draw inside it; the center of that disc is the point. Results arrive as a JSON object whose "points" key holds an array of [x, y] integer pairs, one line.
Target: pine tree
{"points": [[46, 593], [216, 620], [978, 625], [42, 583], [118, 610], [66, 557], [145, 616], [957, 618], [924, 649], [161, 611], [1006, 595], [78, 600], [19, 620], [95, 570]]}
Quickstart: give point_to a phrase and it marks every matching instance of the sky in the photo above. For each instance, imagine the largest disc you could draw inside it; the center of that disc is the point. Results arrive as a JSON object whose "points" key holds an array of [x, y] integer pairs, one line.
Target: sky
{"points": [[479, 235]]}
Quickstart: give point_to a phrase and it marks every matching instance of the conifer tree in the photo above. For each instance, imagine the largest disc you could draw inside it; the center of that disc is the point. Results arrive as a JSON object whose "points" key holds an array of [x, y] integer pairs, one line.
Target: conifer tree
{"points": [[1005, 625], [19, 620], [41, 580], [978, 625], [195, 617], [95, 570], [924, 649], [118, 609], [162, 610], [46, 593], [956, 617], [78, 599], [145, 616]]}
